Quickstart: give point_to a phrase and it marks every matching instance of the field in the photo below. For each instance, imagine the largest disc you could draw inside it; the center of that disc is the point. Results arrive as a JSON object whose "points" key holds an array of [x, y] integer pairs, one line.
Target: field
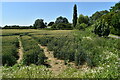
{"points": [[58, 54]]}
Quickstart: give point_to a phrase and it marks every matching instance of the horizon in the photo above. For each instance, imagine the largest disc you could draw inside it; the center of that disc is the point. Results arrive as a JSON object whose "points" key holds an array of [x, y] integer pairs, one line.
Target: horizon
{"points": [[25, 13]]}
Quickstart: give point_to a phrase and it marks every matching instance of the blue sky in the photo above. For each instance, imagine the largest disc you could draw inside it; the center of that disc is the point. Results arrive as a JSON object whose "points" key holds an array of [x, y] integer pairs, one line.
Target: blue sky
{"points": [[25, 13]]}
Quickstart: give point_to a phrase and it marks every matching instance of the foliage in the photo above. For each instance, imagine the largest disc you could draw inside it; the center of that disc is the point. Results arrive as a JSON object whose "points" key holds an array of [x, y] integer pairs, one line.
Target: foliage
{"points": [[115, 22], [73, 46], [62, 26], [83, 19], [39, 24], [108, 17], [115, 8], [81, 26], [61, 23], [101, 28], [101, 55], [10, 46], [111, 18], [51, 23], [32, 52], [61, 20], [69, 48], [17, 27], [74, 15], [97, 15], [20, 71]]}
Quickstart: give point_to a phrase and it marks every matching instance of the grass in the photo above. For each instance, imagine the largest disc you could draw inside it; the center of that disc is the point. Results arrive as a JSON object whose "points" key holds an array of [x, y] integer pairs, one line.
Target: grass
{"points": [[10, 32], [31, 71]]}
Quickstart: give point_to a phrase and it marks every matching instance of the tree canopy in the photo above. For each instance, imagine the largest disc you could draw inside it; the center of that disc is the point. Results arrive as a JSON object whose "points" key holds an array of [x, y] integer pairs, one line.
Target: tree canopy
{"points": [[97, 14], [61, 23], [83, 19], [61, 20], [74, 15], [115, 8], [39, 24], [51, 23]]}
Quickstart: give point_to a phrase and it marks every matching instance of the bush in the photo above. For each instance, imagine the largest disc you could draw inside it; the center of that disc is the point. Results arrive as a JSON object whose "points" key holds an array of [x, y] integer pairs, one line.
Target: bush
{"points": [[101, 28], [83, 19], [115, 22], [83, 47], [32, 52], [10, 46], [81, 26], [8, 59], [62, 26]]}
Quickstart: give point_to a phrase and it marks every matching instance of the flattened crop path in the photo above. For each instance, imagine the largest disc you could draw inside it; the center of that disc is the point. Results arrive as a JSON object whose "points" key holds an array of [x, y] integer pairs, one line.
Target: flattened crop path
{"points": [[57, 66], [20, 51]]}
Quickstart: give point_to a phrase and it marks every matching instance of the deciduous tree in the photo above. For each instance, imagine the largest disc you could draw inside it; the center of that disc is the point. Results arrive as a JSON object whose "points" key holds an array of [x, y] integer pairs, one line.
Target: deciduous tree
{"points": [[39, 23]]}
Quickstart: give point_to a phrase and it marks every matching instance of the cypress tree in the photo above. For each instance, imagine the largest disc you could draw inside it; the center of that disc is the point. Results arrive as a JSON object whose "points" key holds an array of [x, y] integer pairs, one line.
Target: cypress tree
{"points": [[74, 15]]}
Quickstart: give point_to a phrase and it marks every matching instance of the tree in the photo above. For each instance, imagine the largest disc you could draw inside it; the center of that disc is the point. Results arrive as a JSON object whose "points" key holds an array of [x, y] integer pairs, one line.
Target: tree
{"points": [[45, 23], [81, 26], [115, 8], [74, 15], [39, 24], [107, 21], [115, 22], [6, 27], [61, 20], [61, 23], [62, 26], [51, 23], [101, 28], [97, 15], [83, 19]]}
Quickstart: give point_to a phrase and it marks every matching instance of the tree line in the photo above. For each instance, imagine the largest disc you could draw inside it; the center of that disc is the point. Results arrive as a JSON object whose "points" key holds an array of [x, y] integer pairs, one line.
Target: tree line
{"points": [[104, 22]]}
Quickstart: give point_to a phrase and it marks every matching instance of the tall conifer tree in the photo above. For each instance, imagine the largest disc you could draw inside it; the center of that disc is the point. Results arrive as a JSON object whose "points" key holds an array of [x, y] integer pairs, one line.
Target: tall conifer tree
{"points": [[74, 15]]}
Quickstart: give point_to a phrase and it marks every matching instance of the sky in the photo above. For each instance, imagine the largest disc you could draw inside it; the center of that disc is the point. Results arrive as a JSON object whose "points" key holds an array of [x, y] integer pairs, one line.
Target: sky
{"points": [[25, 13], [59, 0]]}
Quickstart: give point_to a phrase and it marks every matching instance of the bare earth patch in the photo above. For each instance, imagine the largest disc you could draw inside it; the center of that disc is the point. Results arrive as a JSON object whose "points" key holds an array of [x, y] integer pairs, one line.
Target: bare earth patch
{"points": [[57, 66], [20, 51]]}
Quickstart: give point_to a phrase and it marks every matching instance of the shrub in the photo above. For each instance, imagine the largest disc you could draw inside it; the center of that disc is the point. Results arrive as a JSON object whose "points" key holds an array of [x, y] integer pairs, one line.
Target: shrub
{"points": [[83, 19], [115, 22], [101, 28], [79, 46], [10, 46], [32, 52], [62, 26], [81, 26]]}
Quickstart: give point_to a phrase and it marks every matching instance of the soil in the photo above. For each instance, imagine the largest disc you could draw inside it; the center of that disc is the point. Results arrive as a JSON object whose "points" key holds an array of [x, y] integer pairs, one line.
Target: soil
{"points": [[57, 66], [20, 51]]}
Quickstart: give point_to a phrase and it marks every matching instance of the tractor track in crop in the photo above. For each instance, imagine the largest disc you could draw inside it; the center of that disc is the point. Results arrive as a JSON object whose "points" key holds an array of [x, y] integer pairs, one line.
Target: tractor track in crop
{"points": [[57, 66], [20, 51]]}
